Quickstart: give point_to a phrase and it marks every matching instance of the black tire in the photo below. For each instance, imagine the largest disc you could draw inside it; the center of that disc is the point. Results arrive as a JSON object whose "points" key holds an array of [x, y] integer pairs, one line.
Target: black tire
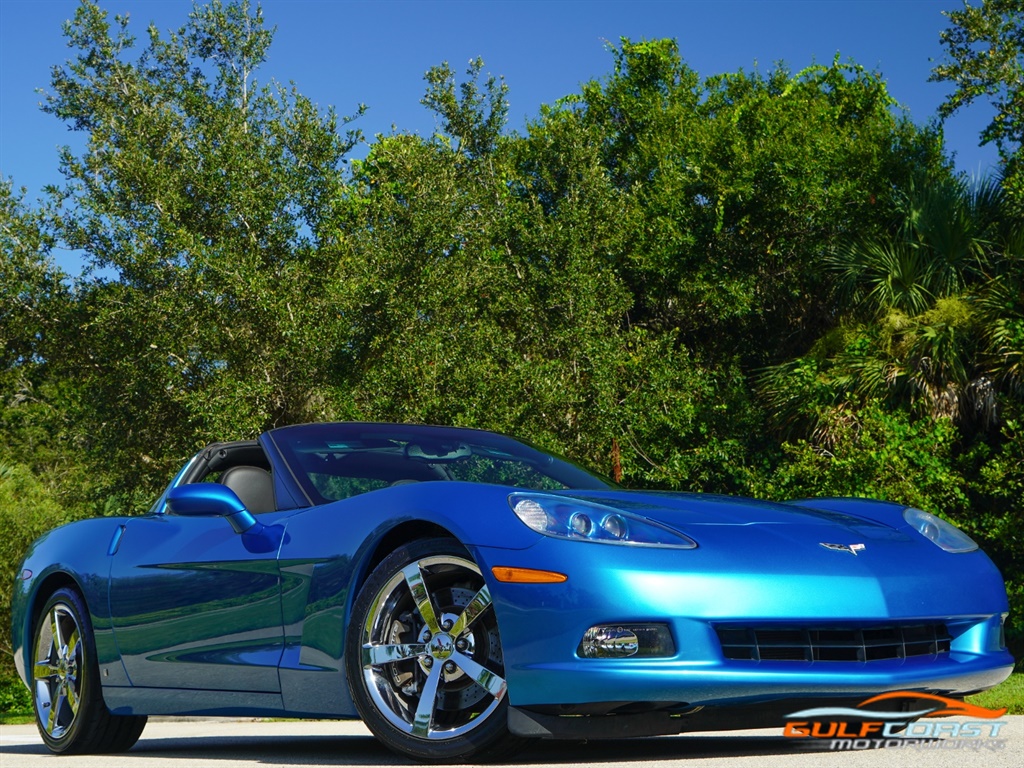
{"points": [[424, 658], [66, 695]]}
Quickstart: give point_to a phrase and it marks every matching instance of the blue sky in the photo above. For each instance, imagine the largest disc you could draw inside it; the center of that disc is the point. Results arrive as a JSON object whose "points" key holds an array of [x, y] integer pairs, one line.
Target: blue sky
{"points": [[343, 52]]}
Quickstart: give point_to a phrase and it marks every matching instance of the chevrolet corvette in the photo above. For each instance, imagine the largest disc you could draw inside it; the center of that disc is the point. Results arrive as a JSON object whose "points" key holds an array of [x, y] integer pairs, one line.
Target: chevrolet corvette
{"points": [[464, 593]]}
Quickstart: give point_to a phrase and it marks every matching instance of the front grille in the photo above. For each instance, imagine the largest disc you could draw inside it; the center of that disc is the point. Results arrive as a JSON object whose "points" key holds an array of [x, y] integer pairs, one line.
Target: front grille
{"points": [[862, 644]]}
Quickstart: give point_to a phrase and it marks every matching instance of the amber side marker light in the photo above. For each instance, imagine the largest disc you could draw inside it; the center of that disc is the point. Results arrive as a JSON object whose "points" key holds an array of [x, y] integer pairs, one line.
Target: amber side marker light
{"points": [[527, 575]]}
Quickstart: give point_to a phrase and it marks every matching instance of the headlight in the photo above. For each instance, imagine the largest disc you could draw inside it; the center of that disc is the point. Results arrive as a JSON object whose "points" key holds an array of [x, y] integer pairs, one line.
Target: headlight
{"points": [[939, 532], [567, 518]]}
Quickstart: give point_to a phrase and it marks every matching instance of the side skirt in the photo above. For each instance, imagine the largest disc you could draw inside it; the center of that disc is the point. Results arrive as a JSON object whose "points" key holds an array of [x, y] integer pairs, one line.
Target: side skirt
{"points": [[171, 701]]}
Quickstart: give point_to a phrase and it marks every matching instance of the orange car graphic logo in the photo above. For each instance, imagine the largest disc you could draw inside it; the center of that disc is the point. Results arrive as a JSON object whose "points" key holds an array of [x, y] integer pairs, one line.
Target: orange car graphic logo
{"points": [[941, 707], [865, 721]]}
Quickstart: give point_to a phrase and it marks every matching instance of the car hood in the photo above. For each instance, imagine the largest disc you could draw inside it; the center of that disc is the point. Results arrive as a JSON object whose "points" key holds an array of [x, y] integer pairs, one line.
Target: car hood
{"points": [[689, 513]]}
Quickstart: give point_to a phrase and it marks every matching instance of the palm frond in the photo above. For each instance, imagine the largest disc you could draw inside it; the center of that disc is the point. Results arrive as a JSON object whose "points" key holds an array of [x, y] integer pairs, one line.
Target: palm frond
{"points": [[882, 274]]}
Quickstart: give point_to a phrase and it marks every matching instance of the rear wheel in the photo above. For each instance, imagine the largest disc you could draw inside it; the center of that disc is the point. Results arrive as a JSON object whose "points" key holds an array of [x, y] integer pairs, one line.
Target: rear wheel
{"points": [[66, 696], [424, 657]]}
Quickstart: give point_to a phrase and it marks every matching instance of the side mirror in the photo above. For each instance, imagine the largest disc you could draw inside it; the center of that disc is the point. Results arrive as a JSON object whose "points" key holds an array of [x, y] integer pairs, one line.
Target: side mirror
{"points": [[210, 500]]}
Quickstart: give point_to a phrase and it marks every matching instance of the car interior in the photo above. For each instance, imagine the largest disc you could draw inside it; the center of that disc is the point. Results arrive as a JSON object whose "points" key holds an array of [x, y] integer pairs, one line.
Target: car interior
{"points": [[241, 466]]}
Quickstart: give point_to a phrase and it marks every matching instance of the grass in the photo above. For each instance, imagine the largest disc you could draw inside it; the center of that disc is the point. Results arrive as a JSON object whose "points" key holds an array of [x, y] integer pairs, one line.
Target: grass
{"points": [[1009, 694], [17, 718]]}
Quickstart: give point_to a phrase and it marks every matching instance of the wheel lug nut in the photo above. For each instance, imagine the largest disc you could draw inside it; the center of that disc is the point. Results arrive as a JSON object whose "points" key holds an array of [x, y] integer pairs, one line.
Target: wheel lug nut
{"points": [[461, 644], [428, 661], [449, 666], [447, 625], [427, 636]]}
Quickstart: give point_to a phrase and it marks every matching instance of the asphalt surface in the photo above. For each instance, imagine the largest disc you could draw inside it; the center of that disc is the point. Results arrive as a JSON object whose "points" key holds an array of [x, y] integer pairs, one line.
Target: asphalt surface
{"points": [[168, 743]]}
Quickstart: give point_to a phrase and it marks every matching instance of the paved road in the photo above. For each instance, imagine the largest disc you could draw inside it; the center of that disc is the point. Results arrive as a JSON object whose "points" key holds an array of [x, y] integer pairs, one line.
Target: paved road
{"points": [[238, 744]]}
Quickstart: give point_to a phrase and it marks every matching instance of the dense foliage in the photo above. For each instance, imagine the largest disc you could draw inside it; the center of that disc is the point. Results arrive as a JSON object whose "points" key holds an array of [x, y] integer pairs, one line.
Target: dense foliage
{"points": [[985, 60], [769, 283]]}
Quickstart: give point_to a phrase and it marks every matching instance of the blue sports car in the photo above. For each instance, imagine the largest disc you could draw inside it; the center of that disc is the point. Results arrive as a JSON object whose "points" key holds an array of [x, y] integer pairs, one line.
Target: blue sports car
{"points": [[464, 593]]}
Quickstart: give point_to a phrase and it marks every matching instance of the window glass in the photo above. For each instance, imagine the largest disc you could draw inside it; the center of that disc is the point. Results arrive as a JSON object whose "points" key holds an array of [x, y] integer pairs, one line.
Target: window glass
{"points": [[334, 487], [336, 461]]}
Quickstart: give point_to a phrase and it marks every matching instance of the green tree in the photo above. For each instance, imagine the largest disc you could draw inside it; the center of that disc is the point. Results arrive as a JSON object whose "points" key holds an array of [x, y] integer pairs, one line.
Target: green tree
{"points": [[881, 453], [485, 292], [985, 60], [728, 193], [474, 118], [34, 301], [931, 319], [212, 199], [744, 181]]}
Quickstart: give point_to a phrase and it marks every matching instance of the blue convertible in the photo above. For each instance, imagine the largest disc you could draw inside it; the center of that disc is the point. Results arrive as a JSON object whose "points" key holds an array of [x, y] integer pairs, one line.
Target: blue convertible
{"points": [[464, 593]]}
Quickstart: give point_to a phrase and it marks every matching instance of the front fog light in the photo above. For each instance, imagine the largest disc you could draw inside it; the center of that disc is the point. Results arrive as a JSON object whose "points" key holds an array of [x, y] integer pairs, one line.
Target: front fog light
{"points": [[619, 641]]}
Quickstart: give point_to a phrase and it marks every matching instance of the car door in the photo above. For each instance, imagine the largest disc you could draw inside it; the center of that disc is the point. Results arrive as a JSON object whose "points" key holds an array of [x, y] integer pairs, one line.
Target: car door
{"points": [[196, 605]]}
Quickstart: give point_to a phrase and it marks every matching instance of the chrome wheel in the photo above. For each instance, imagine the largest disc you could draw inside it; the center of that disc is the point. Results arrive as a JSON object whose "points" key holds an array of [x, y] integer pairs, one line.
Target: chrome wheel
{"points": [[424, 657], [70, 713], [57, 671], [431, 659]]}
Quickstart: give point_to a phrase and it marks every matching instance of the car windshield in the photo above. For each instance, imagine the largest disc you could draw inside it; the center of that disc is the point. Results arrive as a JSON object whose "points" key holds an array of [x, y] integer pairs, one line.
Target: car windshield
{"points": [[336, 461]]}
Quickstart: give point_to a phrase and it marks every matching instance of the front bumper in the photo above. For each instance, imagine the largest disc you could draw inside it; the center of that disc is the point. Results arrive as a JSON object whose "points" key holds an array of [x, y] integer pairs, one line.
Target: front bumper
{"points": [[694, 591]]}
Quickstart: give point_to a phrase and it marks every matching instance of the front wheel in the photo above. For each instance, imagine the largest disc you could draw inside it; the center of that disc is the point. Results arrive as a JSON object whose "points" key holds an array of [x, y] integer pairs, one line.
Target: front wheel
{"points": [[424, 657], [66, 696]]}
